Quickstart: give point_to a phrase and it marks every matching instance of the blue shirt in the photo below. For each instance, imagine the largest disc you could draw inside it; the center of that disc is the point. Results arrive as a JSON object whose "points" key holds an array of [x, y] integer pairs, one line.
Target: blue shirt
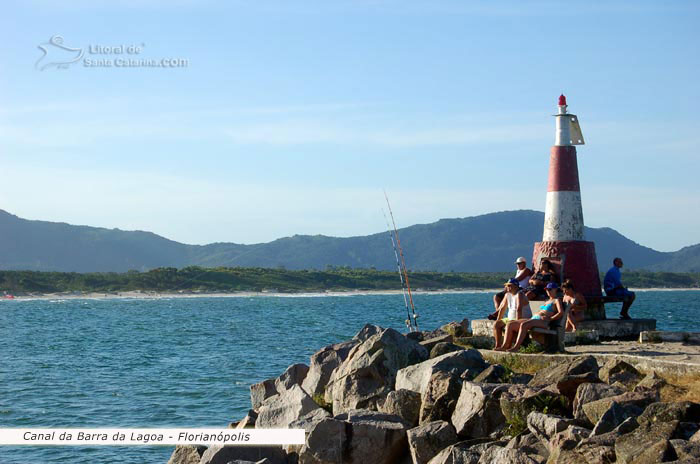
{"points": [[613, 278]]}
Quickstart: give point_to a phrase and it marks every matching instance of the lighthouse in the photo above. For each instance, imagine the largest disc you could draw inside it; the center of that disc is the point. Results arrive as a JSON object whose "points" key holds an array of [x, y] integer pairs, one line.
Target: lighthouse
{"points": [[562, 239]]}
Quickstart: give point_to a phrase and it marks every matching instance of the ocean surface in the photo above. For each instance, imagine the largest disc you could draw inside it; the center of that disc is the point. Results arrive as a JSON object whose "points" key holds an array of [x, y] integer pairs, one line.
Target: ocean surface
{"points": [[188, 362]]}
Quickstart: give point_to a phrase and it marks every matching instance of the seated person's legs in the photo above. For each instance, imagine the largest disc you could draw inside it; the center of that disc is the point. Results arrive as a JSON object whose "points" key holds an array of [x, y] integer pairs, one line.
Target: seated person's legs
{"points": [[511, 330], [523, 330]]}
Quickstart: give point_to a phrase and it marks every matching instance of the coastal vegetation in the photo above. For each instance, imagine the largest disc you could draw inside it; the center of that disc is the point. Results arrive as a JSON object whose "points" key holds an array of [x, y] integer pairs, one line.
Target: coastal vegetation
{"points": [[194, 279]]}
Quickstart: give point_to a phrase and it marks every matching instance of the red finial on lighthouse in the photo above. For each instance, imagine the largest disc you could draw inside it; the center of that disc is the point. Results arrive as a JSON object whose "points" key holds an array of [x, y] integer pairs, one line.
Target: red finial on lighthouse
{"points": [[562, 100]]}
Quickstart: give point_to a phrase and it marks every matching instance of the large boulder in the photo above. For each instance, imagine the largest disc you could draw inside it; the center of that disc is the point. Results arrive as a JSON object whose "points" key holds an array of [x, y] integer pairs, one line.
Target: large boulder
{"points": [[374, 438], [370, 370], [261, 391], [647, 444], [429, 343], [478, 412], [281, 410], [684, 411], [219, 454], [594, 410], [369, 330], [589, 392], [293, 375], [651, 382], [495, 373], [403, 403], [598, 449], [685, 450], [459, 453], [443, 348], [187, 454], [616, 370], [323, 363], [615, 416], [440, 397], [427, 440], [325, 442], [457, 329], [566, 376], [417, 376]]}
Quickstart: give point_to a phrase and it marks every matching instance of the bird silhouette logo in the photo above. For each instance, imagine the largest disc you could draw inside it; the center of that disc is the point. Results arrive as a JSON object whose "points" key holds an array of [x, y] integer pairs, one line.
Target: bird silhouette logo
{"points": [[54, 53]]}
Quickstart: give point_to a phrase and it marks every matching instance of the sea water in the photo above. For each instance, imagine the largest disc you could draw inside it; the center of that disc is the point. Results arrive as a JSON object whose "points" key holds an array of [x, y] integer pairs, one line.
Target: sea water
{"points": [[189, 362]]}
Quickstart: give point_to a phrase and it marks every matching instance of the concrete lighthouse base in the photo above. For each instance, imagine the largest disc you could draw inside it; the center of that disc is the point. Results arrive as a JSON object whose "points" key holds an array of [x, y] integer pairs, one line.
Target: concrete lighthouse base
{"points": [[575, 260]]}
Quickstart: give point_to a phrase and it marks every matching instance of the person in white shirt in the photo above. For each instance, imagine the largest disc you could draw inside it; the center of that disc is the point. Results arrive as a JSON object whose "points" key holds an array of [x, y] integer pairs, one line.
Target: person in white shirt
{"points": [[522, 275], [514, 306]]}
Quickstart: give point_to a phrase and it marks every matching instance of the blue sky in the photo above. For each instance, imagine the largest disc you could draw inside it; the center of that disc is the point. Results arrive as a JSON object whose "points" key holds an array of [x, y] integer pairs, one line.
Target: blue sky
{"points": [[291, 117]]}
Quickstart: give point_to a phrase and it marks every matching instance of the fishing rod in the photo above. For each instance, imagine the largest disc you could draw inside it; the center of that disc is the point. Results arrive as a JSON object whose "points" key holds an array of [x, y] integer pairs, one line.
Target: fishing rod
{"points": [[403, 262], [398, 267]]}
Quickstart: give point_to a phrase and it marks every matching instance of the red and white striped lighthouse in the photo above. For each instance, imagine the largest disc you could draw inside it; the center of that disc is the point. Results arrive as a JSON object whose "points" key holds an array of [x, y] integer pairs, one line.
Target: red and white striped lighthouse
{"points": [[562, 240]]}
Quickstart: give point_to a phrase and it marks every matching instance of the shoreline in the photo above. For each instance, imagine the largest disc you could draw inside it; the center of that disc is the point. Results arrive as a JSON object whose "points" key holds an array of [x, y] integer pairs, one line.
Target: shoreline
{"points": [[138, 294]]}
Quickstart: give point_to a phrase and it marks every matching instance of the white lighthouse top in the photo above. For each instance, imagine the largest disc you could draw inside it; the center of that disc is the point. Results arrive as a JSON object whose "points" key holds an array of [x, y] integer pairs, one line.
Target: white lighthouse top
{"points": [[568, 130]]}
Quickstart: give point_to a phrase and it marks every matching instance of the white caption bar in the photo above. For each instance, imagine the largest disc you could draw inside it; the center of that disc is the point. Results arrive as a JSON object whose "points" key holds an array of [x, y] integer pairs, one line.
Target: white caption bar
{"points": [[128, 437]]}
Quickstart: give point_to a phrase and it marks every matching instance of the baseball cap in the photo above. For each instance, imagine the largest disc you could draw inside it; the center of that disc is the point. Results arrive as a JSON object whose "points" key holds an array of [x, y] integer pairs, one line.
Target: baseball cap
{"points": [[521, 260], [513, 282], [552, 285]]}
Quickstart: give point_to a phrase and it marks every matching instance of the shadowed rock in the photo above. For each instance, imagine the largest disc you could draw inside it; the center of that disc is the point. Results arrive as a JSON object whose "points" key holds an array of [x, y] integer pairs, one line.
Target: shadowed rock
{"points": [[588, 392], [440, 397], [647, 444], [459, 453], [444, 348], [595, 409], [614, 416], [546, 426], [616, 370], [478, 412], [427, 440], [281, 410]]}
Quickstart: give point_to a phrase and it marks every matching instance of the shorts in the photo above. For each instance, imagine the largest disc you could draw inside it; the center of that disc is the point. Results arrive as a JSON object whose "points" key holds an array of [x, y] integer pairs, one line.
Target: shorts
{"points": [[623, 292], [505, 320]]}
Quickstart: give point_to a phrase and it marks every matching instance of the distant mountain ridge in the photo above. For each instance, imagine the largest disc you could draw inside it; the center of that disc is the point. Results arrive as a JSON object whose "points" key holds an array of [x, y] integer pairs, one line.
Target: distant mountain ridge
{"points": [[486, 243]]}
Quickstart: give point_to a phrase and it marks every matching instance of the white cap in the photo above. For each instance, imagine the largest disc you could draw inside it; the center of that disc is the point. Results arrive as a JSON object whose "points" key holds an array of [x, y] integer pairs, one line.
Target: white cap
{"points": [[521, 260]]}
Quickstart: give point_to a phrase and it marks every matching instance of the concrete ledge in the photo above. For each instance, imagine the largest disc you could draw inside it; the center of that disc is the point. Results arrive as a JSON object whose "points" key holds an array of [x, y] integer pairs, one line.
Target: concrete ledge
{"points": [[619, 329], [655, 336], [483, 327], [641, 363]]}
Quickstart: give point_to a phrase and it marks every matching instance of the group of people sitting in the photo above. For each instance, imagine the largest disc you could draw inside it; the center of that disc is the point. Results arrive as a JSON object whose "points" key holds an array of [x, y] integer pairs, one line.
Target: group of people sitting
{"points": [[513, 316]]}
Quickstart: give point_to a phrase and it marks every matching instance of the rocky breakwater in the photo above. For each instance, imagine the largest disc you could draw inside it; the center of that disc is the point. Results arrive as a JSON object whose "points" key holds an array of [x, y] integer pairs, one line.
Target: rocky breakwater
{"points": [[384, 397]]}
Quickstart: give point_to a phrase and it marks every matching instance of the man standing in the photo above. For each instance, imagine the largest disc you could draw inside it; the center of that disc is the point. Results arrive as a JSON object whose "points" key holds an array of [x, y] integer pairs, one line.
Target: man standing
{"points": [[613, 287], [522, 275]]}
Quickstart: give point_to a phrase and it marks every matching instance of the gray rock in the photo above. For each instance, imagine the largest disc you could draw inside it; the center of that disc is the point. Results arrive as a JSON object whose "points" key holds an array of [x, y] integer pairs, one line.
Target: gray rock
{"points": [[519, 400], [443, 348], [627, 426], [369, 330], [599, 449], [403, 403], [187, 454], [325, 442], [323, 363], [478, 412], [281, 410], [589, 392], [566, 376], [440, 397], [530, 444], [370, 370], [457, 329], [546, 426], [429, 343], [684, 411], [456, 454], [495, 373], [294, 375], [498, 455], [417, 376], [427, 440], [261, 391], [375, 438], [595, 409], [683, 449], [614, 416], [219, 454], [521, 379], [647, 444], [616, 370]]}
